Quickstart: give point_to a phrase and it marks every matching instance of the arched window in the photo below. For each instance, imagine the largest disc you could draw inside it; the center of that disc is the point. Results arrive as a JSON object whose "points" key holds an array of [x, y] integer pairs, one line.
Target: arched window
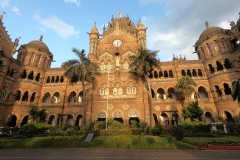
{"points": [[24, 74], [202, 92], [46, 98], [30, 76], [189, 73], [211, 69], [155, 74], [216, 45], [48, 79], [170, 73], [160, 74], [25, 96], [227, 64], [129, 90], [102, 66], [38, 77], [165, 74], [200, 73], [101, 91], [33, 97], [72, 97], [219, 92], [210, 50], [17, 95], [161, 94], [219, 66], [61, 79], [57, 79], [134, 90], [109, 65], [33, 57], [227, 89], [183, 73], [56, 98], [52, 79], [39, 59], [194, 73]]}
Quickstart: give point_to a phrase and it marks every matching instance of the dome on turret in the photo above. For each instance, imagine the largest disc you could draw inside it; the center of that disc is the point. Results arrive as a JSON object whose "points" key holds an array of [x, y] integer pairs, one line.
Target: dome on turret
{"points": [[210, 32], [140, 26], [94, 29], [38, 44]]}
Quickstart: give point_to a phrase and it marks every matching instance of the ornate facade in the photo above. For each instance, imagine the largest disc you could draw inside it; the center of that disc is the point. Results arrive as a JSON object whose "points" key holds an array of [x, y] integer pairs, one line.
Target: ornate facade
{"points": [[29, 81]]}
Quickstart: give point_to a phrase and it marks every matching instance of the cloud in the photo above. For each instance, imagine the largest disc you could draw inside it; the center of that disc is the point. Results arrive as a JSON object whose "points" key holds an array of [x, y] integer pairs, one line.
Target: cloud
{"points": [[63, 29], [77, 2], [4, 3], [180, 24], [16, 10]]}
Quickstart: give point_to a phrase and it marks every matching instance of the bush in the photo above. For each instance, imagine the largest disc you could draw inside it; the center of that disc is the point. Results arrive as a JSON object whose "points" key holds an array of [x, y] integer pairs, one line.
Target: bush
{"points": [[136, 131], [147, 130], [100, 125], [29, 130], [142, 125], [178, 132], [134, 124], [89, 126], [155, 131]]}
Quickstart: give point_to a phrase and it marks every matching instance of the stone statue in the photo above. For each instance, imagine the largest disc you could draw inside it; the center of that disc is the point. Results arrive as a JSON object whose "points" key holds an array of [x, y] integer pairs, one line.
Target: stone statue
{"points": [[233, 26], [15, 44], [117, 61]]}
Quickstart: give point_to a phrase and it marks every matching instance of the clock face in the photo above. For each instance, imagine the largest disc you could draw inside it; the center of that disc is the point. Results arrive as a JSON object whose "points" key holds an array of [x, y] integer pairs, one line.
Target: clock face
{"points": [[117, 43]]}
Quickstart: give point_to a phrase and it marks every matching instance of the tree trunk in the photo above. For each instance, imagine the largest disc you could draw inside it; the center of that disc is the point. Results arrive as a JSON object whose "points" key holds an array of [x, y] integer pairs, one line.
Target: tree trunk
{"points": [[84, 103], [150, 102]]}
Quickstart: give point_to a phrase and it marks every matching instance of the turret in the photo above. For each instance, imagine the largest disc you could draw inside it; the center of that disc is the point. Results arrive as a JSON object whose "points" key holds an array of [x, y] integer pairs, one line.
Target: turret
{"points": [[141, 34], [93, 40]]}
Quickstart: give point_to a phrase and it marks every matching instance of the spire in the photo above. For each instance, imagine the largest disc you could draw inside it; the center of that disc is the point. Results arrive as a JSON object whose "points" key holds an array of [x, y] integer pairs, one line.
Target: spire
{"points": [[94, 29]]}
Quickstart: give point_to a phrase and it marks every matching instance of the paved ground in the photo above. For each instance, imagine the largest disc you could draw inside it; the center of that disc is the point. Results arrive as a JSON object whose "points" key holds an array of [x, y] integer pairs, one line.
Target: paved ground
{"points": [[118, 154]]}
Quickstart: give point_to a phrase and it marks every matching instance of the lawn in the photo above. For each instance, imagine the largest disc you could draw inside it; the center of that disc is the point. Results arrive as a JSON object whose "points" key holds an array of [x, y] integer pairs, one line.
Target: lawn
{"points": [[117, 141]]}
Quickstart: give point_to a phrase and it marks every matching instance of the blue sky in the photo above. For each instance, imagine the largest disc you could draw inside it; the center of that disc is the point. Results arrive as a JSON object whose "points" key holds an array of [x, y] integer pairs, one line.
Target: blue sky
{"points": [[173, 25]]}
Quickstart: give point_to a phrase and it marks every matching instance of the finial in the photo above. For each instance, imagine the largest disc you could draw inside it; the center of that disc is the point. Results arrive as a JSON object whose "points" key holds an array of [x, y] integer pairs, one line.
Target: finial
{"points": [[206, 23], [1, 15], [41, 38]]}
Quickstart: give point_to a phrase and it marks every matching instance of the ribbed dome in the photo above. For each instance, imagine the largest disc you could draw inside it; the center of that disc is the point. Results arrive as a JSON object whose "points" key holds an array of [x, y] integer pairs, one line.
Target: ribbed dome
{"points": [[140, 26], [38, 45], [211, 31]]}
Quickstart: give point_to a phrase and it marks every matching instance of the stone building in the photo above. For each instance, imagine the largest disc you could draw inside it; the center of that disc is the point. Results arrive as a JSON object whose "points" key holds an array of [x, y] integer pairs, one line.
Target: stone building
{"points": [[29, 80]]}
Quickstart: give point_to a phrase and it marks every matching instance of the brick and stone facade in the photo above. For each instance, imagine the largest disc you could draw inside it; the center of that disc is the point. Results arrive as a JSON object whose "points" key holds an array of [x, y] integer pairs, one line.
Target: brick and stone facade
{"points": [[29, 80]]}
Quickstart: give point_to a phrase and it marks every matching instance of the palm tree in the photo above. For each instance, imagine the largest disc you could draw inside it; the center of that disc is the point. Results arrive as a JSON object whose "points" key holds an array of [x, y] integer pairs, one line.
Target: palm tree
{"points": [[37, 115], [185, 87], [81, 69], [141, 67], [236, 91]]}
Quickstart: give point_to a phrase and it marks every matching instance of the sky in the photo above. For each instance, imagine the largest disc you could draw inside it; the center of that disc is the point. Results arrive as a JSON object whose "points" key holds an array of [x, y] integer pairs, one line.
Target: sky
{"points": [[174, 26]]}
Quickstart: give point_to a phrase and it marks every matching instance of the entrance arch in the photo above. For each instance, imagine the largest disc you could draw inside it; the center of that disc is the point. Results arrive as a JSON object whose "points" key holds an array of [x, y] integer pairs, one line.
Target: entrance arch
{"points": [[208, 118], [164, 118], [69, 119], [155, 119], [101, 116], [12, 121], [79, 120], [133, 115], [52, 120], [229, 117], [24, 121], [117, 115]]}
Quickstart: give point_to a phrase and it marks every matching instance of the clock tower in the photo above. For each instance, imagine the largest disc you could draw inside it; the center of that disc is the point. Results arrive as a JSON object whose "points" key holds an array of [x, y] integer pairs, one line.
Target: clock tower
{"points": [[121, 96]]}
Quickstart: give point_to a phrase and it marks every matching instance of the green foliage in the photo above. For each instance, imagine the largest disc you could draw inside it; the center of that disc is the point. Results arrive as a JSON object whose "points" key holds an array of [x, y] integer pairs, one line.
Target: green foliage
{"points": [[134, 124], [147, 129], [89, 126], [192, 111], [184, 86], [142, 125], [156, 130], [151, 140], [38, 129], [136, 131], [37, 115], [100, 125], [178, 132]]}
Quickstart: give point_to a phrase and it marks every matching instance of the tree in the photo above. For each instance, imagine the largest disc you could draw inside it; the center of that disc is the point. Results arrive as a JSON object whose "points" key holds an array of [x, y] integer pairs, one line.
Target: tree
{"points": [[141, 67], [236, 91], [238, 23], [37, 115], [185, 87], [81, 69], [192, 111]]}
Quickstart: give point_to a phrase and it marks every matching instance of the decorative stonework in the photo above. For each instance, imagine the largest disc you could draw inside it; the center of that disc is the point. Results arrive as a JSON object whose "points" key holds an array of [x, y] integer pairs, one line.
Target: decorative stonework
{"points": [[133, 113], [157, 108], [168, 107], [110, 107], [125, 106]]}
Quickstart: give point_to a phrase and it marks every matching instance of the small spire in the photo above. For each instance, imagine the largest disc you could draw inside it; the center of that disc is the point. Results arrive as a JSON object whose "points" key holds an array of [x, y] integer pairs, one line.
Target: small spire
{"points": [[41, 38], [207, 25]]}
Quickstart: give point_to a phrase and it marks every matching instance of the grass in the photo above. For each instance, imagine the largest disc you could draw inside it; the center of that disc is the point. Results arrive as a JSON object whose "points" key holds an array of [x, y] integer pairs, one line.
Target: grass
{"points": [[116, 141]]}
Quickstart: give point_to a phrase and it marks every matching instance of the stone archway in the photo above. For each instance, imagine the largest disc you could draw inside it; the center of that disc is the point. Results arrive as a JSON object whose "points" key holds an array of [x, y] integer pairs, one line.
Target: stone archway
{"points": [[69, 120], [164, 119], [79, 120], [118, 116], [101, 116], [209, 118], [52, 120], [155, 119], [12, 121], [228, 116], [24, 121], [133, 115]]}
